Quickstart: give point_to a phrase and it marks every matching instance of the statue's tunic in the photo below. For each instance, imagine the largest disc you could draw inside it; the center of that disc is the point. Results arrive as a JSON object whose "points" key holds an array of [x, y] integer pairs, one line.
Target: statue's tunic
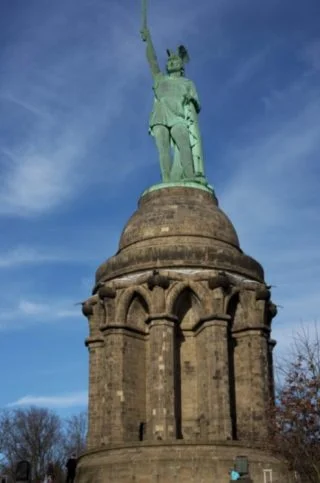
{"points": [[170, 99]]}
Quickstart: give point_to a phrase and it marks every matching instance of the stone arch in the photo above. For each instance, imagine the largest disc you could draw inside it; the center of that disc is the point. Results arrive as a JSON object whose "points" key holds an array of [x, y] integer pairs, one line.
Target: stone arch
{"points": [[231, 301], [133, 308], [185, 302], [137, 312], [126, 300], [177, 289], [187, 308]]}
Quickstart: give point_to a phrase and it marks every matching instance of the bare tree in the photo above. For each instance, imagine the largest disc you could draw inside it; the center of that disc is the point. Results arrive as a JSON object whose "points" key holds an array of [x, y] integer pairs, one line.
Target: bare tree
{"points": [[32, 434], [296, 413], [75, 430]]}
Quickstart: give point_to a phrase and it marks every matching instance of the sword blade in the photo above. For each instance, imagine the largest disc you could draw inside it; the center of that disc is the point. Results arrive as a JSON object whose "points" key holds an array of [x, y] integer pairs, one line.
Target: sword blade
{"points": [[144, 13]]}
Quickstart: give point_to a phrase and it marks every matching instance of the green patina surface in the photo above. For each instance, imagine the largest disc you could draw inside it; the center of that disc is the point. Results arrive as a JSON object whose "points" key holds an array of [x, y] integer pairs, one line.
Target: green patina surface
{"points": [[174, 119]]}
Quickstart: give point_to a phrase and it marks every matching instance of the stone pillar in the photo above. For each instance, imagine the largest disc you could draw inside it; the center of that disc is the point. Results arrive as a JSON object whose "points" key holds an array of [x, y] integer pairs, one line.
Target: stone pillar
{"points": [[107, 297], [161, 424], [251, 377], [95, 343], [114, 425], [96, 397], [215, 329]]}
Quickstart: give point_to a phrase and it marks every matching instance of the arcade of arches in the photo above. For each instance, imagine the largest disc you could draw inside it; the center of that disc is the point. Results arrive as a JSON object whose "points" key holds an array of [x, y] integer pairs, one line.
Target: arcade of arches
{"points": [[180, 360]]}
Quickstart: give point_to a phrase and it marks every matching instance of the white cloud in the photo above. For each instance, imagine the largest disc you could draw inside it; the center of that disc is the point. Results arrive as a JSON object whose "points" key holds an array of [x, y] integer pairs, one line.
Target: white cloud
{"points": [[62, 401], [50, 311], [27, 255], [38, 180], [28, 312], [31, 308]]}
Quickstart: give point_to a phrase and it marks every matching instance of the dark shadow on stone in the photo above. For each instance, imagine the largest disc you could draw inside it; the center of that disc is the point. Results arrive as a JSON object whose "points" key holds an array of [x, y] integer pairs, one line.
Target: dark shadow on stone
{"points": [[178, 340], [141, 431], [232, 307]]}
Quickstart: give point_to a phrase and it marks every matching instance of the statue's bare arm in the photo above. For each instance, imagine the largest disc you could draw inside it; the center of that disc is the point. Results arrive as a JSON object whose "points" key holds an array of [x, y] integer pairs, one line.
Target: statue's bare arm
{"points": [[151, 53]]}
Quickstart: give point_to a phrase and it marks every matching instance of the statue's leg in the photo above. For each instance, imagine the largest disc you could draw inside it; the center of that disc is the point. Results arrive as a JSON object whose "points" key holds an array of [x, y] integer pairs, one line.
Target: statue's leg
{"points": [[162, 137], [180, 135]]}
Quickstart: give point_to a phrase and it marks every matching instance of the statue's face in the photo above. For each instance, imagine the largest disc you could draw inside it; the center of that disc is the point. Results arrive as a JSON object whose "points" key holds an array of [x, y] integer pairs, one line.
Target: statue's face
{"points": [[174, 64]]}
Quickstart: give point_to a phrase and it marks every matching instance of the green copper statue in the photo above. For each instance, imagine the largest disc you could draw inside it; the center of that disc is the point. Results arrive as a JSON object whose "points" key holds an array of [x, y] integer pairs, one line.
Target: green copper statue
{"points": [[174, 119]]}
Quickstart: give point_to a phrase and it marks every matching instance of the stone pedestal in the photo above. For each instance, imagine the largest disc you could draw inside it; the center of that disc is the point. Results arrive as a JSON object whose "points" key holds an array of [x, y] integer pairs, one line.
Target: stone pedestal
{"points": [[180, 352], [171, 463]]}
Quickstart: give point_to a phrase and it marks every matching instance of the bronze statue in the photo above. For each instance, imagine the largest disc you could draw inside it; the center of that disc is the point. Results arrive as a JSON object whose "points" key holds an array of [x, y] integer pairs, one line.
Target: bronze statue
{"points": [[174, 118]]}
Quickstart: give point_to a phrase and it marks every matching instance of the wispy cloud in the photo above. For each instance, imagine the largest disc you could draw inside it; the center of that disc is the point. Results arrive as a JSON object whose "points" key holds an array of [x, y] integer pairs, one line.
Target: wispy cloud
{"points": [[267, 178], [36, 179], [31, 108], [24, 255], [271, 195], [76, 399], [74, 98], [54, 310], [27, 313], [49, 163]]}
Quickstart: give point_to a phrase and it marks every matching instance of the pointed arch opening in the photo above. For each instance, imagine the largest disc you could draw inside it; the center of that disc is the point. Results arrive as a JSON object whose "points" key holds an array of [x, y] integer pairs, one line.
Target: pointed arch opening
{"points": [[137, 312], [187, 310], [135, 354]]}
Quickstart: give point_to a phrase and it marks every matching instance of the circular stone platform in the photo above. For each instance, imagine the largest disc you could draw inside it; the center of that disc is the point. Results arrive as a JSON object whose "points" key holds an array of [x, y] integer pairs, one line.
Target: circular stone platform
{"points": [[176, 463], [179, 227]]}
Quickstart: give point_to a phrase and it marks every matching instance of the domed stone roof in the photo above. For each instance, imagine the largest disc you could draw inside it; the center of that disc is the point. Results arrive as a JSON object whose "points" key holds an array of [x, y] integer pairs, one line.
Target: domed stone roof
{"points": [[178, 212], [179, 227]]}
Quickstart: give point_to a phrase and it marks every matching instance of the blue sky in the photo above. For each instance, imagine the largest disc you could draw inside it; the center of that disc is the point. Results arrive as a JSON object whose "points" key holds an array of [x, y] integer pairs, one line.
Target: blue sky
{"points": [[75, 96]]}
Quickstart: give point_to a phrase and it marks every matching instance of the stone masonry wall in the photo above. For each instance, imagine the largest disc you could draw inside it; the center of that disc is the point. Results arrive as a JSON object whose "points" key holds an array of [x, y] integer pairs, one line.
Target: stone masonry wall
{"points": [[134, 385], [170, 371], [176, 463]]}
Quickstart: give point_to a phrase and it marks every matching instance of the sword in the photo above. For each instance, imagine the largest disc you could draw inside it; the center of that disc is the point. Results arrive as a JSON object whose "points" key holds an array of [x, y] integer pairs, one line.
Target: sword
{"points": [[144, 24]]}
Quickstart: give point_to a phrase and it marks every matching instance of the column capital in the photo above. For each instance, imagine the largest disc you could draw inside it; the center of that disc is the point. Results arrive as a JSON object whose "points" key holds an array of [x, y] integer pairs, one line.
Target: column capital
{"points": [[161, 318], [109, 329], [106, 292], [213, 320], [257, 330], [272, 343]]}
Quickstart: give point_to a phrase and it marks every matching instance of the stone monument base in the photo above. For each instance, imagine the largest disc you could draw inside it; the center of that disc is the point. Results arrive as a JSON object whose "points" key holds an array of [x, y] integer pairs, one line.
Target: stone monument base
{"points": [[176, 462]]}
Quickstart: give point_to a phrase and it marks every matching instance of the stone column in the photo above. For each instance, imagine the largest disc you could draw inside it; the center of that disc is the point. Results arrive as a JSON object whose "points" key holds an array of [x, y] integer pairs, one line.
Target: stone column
{"points": [[111, 425], [95, 343], [96, 399], [215, 328], [161, 424], [251, 378], [114, 425]]}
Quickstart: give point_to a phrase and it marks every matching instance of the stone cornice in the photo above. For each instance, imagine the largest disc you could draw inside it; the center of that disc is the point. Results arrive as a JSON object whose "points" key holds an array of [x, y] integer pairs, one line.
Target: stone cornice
{"points": [[243, 332], [94, 341], [121, 328]]}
